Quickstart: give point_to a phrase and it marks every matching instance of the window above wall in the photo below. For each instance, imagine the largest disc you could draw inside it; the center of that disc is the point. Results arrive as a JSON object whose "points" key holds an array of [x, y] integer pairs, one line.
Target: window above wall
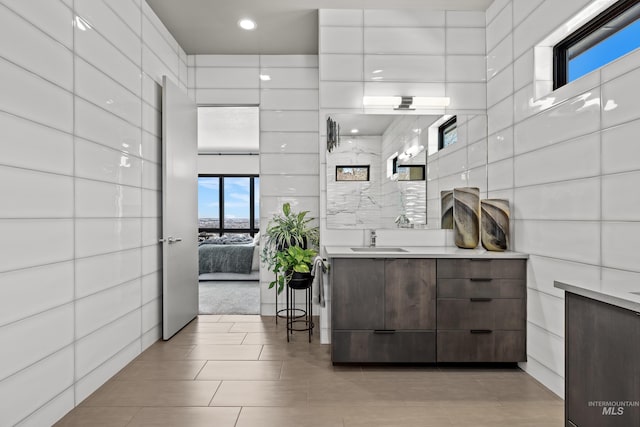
{"points": [[610, 35], [448, 133]]}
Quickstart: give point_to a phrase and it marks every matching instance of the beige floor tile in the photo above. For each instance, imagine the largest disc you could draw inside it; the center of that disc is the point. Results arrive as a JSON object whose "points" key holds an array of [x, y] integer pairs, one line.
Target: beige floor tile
{"points": [[154, 393], [275, 337], [98, 417], [288, 417], [297, 351], [241, 370], [244, 318], [225, 352], [162, 350], [399, 373], [209, 317], [318, 371], [397, 416], [188, 417], [255, 327], [261, 393], [246, 371], [207, 338], [197, 326], [161, 370]]}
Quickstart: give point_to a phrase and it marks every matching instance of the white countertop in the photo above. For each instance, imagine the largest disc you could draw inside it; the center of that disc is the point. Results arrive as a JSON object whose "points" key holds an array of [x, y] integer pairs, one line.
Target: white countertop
{"points": [[616, 293], [422, 252]]}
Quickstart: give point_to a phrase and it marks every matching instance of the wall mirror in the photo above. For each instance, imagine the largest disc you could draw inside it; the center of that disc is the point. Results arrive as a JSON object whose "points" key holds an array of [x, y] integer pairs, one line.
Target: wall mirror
{"points": [[402, 158]]}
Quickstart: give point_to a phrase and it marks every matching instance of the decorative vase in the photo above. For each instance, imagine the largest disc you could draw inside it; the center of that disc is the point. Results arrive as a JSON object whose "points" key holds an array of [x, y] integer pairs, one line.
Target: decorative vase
{"points": [[466, 217], [446, 209], [495, 224]]}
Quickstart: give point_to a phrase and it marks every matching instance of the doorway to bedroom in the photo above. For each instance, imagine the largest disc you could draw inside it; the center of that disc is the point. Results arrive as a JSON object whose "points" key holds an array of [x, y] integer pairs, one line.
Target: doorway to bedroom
{"points": [[228, 210]]}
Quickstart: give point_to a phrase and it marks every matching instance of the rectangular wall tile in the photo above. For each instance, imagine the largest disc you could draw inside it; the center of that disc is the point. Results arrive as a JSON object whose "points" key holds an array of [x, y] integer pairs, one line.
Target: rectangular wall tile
{"points": [[30, 194], [99, 236], [53, 62], [19, 252], [35, 338], [425, 41], [19, 398], [28, 95], [89, 313]]}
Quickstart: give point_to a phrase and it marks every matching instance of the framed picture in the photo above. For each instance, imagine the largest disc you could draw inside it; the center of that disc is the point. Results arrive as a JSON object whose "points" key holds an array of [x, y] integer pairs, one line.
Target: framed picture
{"points": [[411, 172], [352, 173]]}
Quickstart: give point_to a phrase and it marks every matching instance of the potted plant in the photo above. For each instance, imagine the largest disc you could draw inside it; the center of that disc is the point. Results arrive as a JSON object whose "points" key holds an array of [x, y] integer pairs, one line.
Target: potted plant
{"points": [[293, 266], [285, 230]]}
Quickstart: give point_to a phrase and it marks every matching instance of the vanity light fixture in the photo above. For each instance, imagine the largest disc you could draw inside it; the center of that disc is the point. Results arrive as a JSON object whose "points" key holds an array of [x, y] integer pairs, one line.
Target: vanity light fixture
{"points": [[406, 102], [247, 24], [431, 101]]}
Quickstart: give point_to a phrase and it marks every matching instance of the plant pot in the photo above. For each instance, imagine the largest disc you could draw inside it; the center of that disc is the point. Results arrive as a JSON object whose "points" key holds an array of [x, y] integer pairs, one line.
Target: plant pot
{"points": [[300, 280]]}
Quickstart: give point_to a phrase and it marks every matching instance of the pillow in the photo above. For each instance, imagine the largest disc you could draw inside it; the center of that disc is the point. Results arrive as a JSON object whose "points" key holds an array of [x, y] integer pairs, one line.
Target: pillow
{"points": [[256, 239]]}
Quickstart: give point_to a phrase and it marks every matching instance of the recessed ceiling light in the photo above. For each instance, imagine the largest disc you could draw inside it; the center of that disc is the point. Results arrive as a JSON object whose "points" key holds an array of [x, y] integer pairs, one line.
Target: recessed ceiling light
{"points": [[354, 131], [265, 77], [247, 24], [376, 71]]}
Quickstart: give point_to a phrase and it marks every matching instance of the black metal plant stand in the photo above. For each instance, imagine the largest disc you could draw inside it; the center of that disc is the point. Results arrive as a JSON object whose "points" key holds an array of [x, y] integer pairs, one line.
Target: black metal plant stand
{"points": [[299, 312], [294, 323]]}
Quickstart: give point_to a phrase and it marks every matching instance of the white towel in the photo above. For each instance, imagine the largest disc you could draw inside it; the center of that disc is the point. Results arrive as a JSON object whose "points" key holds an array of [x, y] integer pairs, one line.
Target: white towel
{"points": [[317, 271]]}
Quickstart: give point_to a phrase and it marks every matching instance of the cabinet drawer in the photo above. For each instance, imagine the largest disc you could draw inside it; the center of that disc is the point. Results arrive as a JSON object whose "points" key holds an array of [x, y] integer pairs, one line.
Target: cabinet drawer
{"points": [[372, 347], [482, 268], [495, 346], [481, 288], [507, 314]]}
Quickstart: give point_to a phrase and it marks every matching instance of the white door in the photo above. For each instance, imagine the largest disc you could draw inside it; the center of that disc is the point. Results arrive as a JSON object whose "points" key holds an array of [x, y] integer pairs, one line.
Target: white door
{"points": [[179, 209]]}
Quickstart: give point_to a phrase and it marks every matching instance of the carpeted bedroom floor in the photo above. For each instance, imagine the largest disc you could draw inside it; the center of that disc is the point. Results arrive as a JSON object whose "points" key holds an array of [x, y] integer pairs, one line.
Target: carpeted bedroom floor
{"points": [[229, 297]]}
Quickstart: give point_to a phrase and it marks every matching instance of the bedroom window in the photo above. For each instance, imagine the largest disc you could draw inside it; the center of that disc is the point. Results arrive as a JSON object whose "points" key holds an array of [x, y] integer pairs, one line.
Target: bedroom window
{"points": [[610, 35], [228, 204]]}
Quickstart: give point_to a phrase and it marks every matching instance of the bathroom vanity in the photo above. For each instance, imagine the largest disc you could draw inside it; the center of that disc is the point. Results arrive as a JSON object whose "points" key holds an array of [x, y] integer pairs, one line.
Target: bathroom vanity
{"points": [[602, 348], [426, 305]]}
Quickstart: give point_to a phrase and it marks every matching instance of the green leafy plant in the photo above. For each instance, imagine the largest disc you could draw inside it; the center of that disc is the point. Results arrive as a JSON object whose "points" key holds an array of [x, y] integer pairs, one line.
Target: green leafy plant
{"points": [[293, 259], [285, 230]]}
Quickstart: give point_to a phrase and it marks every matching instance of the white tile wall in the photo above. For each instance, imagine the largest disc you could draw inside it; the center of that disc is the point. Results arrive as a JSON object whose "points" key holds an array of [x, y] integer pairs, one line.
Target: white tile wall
{"points": [[74, 180], [574, 168]]}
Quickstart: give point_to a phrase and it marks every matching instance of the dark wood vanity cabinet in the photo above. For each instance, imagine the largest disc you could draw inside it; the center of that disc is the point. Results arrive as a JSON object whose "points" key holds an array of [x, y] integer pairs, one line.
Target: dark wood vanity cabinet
{"points": [[383, 310], [427, 310], [481, 310], [602, 358]]}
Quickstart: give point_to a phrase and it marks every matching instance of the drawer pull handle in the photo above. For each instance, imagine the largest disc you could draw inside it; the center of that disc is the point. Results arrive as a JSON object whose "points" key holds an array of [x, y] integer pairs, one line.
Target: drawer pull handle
{"points": [[481, 331], [384, 331], [481, 299], [480, 260], [481, 279]]}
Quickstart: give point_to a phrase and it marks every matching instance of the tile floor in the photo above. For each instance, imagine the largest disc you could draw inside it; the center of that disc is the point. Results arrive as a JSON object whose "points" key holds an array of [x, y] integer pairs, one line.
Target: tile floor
{"points": [[240, 371]]}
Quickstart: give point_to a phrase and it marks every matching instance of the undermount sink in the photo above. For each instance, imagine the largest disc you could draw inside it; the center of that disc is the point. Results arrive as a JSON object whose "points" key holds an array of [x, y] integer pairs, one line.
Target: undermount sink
{"points": [[378, 249]]}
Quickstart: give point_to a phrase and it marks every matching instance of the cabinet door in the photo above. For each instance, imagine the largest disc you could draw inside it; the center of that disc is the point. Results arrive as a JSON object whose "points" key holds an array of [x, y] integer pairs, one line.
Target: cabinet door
{"points": [[357, 293], [602, 363], [410, 294]]}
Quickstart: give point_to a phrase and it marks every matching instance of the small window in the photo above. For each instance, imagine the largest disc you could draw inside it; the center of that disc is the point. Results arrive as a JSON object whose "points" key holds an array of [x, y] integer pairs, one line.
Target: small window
{"points": [[352, 173], [448, 133], [610, 35], [411, 172]]}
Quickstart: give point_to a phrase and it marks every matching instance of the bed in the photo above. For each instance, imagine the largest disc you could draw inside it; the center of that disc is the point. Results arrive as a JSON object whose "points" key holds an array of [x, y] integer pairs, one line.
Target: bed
{"points": [[229, 258]]}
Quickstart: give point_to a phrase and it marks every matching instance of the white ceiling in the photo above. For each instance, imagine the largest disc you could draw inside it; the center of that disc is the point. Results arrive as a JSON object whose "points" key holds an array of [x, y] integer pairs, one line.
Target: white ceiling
{"points": [[284, 26]]}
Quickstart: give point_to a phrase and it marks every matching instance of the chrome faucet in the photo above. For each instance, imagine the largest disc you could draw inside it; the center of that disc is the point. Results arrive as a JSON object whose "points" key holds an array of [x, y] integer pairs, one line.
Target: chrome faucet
{"points": [[372, 238]]}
